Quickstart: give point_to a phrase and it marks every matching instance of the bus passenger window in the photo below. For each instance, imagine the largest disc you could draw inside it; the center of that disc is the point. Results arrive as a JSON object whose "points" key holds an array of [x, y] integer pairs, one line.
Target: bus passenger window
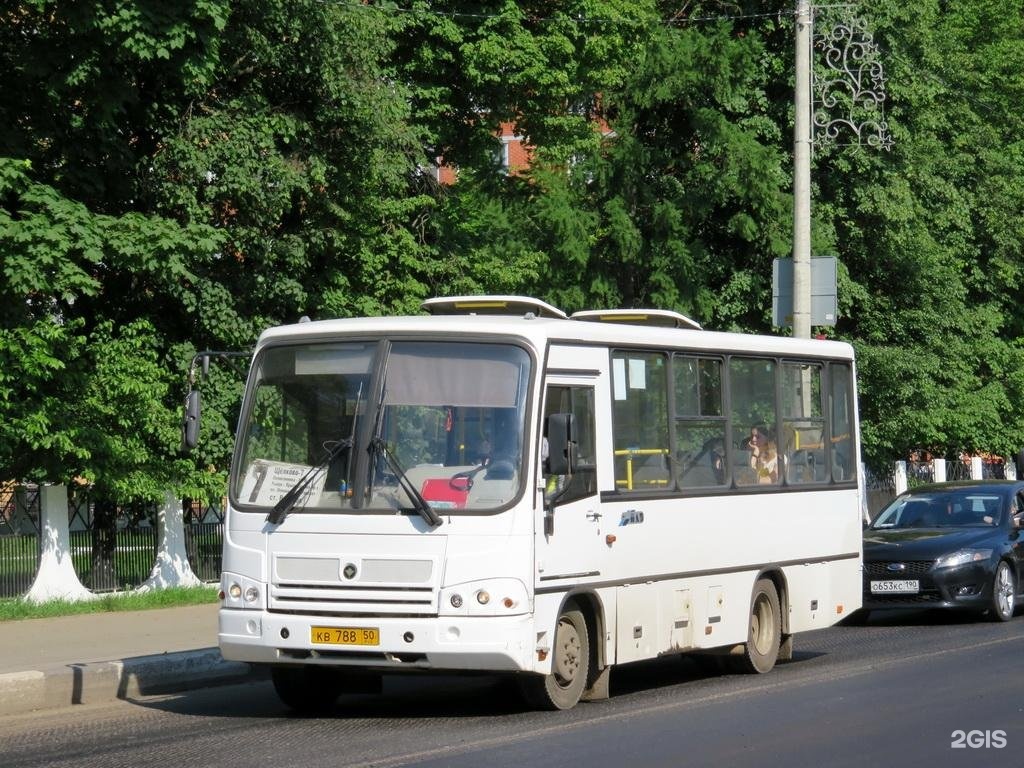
{"points": [[700, 422], [842, 453], [803, 423], [755, 454], [640, 421]]}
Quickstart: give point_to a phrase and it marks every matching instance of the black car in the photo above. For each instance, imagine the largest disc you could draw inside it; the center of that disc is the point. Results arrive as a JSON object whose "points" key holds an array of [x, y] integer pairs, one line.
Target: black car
{"points": [[949, 545]]}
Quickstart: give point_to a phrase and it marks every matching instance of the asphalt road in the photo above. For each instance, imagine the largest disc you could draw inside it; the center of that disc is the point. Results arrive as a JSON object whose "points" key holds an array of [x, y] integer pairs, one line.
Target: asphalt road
{"points": [[897, 692]]}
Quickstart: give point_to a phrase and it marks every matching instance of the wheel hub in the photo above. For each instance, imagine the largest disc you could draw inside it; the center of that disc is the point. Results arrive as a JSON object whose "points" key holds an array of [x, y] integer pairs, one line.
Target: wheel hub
{"points": [[567, 656]]}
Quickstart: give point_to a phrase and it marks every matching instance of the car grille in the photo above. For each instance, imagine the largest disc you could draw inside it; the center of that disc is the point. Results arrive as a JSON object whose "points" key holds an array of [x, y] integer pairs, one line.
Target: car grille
{"points": [[915, 569], [924, 597], [879, 569]]}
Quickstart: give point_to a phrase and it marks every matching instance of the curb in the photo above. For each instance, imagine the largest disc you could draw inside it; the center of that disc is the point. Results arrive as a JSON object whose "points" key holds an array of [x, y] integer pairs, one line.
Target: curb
{"points": [[104, 681]]}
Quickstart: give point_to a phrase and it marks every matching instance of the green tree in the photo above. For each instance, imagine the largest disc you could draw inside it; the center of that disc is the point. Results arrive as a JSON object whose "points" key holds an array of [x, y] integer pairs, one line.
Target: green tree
{"points": [[180, 178], [931, 236], [82, 396], [689, 194]]}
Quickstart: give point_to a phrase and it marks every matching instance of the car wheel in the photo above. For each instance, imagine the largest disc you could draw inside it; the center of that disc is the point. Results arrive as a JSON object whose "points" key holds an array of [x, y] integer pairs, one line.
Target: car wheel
{"points": [[1004, 588], [764, 634], [570, 666]]}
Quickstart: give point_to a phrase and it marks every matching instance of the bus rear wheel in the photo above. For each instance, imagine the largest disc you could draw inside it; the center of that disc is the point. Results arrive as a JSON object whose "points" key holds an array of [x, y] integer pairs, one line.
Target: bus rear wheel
{"points": [[570, 666], [764, 634]]}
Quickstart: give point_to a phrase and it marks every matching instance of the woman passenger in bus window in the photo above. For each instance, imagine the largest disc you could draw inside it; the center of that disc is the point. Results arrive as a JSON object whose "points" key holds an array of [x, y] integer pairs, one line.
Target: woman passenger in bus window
{"points": [[764, 457]]}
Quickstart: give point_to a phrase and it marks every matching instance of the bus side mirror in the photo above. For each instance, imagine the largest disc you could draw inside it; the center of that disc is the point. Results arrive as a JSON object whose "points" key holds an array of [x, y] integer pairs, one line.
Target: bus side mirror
{"points": [[561, 444], [190, 422]]}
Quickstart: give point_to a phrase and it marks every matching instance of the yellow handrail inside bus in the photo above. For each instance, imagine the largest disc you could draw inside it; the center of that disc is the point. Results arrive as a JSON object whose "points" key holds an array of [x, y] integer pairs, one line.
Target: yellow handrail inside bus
{"points": [[629, 453]]}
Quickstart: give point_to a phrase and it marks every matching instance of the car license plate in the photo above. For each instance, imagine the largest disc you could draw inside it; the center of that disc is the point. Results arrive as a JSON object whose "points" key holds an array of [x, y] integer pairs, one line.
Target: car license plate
{"points": [[909, 586], [345, 635]]}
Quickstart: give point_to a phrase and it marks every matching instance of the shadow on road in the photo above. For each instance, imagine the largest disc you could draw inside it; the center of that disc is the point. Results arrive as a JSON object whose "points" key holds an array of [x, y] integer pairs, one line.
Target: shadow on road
{"points": [[921, 617], [445, 697]]}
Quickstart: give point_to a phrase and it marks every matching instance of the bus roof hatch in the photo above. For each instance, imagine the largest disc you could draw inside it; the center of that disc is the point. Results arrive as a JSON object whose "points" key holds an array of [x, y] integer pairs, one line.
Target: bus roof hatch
{"points": [[665, 318], [491, 305]]}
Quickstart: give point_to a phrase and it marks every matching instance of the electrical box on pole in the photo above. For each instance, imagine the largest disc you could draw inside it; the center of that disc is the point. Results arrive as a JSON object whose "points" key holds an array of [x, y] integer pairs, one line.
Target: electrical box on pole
{"points": [[824, 308]]}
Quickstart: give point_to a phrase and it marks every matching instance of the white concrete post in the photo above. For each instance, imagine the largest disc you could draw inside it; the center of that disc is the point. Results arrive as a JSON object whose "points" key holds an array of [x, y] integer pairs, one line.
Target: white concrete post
{"points": [[56, 579], [1010, 469], [171, 568], [977, 472], [939, 470], [900, 477]]}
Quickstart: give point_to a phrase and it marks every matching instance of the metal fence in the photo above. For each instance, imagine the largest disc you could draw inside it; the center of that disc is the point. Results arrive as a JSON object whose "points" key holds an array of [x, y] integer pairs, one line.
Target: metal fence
{"points": [[993, 469], [19, 538], [113, 547], [880, 488], [204, 538]]}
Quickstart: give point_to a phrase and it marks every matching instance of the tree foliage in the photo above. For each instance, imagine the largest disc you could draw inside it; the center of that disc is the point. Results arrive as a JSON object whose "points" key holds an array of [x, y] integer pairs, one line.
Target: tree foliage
{"points": [[177, 177]]}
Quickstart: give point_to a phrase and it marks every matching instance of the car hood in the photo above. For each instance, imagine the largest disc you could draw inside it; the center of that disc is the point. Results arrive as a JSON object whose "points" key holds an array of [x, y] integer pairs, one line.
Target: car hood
{"points": [[922, 543]]}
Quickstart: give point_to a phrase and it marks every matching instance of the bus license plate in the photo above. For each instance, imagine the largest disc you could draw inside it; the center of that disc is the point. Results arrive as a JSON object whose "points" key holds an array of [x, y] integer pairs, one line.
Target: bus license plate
{"points": [[345, 635], [905, 587]]}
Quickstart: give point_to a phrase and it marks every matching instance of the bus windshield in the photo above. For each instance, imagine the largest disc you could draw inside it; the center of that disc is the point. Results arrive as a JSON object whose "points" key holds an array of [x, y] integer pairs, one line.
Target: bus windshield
{"points": [[445, 428]]}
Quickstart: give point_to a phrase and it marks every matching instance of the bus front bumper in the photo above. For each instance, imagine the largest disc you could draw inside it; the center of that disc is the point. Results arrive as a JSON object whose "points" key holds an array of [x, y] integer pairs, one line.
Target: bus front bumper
{"points": [[455, 643]]}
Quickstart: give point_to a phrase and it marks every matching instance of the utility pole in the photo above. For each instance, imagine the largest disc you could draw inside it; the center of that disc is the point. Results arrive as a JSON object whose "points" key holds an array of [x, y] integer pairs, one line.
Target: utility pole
{"points": [[802, 176]]}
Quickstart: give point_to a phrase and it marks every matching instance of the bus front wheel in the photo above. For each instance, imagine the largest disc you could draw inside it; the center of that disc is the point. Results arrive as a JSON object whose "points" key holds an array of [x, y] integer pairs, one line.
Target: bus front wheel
{"points": [[306, 690], [570, 666], [764, 634]]}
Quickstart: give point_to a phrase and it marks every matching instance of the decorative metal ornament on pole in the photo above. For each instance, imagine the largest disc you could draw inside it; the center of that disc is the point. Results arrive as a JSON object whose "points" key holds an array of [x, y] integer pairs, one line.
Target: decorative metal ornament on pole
{"points": [[849, 86], [846, 97]]}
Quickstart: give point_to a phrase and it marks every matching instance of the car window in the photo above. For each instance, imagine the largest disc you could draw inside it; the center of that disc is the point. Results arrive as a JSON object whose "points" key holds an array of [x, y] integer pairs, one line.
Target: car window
{"points": [[950, 509]]}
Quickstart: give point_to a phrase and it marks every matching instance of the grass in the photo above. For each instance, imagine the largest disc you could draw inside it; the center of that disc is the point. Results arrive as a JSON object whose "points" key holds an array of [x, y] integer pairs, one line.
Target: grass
{"points": [[14, 608]]}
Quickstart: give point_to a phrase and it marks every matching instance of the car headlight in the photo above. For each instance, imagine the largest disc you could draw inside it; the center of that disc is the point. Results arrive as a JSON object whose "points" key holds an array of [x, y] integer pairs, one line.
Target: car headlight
{"points": [[963, 557], [490, 597]]}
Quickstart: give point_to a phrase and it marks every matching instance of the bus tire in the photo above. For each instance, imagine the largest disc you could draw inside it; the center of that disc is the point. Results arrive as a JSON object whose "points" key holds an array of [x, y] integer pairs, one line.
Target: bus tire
{"points": [[764, 633], [570, 666], [306, 690]]}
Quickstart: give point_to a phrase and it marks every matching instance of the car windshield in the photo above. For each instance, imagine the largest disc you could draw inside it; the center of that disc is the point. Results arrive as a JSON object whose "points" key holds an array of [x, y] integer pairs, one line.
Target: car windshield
{"points": [[445, 428], [956, 508]]}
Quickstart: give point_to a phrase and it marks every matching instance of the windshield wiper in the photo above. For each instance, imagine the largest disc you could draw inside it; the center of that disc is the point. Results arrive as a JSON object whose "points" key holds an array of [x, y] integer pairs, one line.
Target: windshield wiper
{"points": [[287, 502], [418, 502]]}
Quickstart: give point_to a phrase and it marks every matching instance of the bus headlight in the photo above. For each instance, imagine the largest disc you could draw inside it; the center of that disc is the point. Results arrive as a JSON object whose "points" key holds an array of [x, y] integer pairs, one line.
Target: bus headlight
{"points": [[240, 592], [490, 597]]}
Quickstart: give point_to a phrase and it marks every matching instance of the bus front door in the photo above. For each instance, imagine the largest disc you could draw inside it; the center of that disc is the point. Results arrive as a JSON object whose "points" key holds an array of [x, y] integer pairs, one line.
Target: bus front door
{"points": [[571, 541]]}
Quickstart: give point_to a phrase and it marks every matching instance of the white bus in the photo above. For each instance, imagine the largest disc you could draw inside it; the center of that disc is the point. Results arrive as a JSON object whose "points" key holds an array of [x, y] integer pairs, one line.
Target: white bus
{"points": [[497, 487]]}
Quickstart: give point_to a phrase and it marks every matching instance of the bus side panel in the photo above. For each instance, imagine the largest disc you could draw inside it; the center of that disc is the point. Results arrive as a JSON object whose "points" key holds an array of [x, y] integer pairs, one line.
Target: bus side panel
{"points": [[683, 615], [820, 594]]}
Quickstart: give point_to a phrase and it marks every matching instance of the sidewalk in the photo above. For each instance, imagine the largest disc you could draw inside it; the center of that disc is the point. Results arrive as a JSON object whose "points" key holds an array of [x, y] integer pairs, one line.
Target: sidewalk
{"points": [[90, 658]]}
